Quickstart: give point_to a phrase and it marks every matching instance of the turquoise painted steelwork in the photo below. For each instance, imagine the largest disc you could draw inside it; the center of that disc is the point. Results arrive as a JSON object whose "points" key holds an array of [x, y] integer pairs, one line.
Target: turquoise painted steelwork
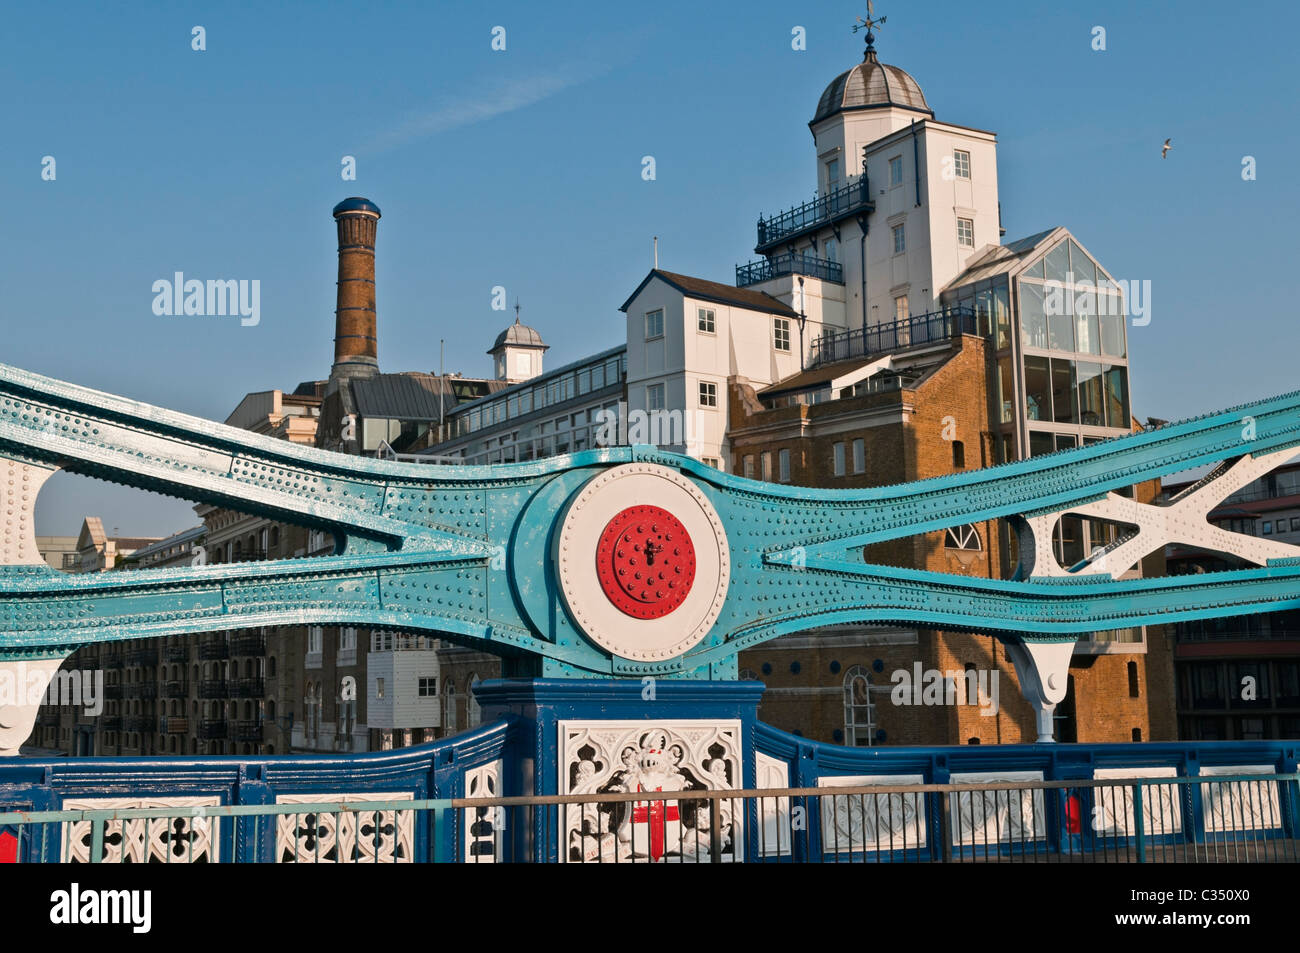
{"points": [[467, 551]]}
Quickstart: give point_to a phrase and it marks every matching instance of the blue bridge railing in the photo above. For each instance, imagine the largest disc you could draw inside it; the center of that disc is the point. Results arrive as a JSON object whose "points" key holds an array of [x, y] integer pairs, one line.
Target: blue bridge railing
{"points": [[462, 800]]}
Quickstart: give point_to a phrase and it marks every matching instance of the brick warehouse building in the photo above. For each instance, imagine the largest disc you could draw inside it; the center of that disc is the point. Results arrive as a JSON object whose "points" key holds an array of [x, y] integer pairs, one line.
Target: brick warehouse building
{"points": [[835, 683]]}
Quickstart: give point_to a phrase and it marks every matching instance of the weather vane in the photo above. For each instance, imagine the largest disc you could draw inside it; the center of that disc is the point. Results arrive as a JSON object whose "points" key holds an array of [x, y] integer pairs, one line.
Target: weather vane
{"points": [[870, 24]]}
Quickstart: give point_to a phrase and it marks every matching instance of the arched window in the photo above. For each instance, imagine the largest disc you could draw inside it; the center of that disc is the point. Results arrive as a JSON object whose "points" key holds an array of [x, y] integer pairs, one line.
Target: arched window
{"points": [[270, 709], [1133, 680], [270, 667], [859, 712], [963, 537], [958, 455], [275, 536], [748, 675]]}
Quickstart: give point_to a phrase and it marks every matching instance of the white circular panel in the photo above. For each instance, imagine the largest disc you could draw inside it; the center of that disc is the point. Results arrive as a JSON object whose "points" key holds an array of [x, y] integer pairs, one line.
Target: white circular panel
{"points": [[603, 498]]}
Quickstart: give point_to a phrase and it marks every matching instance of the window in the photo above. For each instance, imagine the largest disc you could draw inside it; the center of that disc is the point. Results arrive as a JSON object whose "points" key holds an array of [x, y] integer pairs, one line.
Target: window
{"points": [[1295, 524], [708, 394], [379, 688], [961, 164], [963, 538], [781, 334], [896, 171], [711, 462], [901, 310], [966, 232], [832, 250], [837, 453], [859, 456], [1268, 527], [1133, 680], [314, 640], [706, 321], [767, 466], [784, 465], [859, 712], [900, 245], [832, 175], [958, 455], [654, 324], [654, 397], [428, 687], [749, 466]]}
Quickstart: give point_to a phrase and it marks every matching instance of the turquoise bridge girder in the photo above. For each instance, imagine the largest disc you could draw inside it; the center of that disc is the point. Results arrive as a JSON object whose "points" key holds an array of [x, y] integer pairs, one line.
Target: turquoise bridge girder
{"points": [[478, 553]]}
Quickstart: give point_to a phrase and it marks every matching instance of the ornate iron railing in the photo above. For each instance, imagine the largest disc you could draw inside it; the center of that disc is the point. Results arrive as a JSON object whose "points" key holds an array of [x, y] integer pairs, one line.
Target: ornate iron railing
{"points": [[848, 199], [778, 265], [930, 328]]}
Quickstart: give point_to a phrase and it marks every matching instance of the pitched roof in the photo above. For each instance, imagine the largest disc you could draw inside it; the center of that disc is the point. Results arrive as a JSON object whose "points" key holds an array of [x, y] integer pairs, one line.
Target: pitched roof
{"points": [[715, 291], [413, 396]]}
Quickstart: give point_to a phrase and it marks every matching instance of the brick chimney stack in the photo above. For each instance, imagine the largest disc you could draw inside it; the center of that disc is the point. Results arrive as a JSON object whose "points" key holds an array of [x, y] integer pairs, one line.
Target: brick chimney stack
{"points": [[355, 342]]}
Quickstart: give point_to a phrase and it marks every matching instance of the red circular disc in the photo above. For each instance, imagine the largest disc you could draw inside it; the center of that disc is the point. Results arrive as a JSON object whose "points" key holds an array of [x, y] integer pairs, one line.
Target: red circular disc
{"points": [[646, 562]]}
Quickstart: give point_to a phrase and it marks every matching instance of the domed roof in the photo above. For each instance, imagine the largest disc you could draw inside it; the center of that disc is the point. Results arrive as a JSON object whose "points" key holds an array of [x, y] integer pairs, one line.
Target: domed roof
{"points": [[519, 335], [356, 204], [871, 85]]}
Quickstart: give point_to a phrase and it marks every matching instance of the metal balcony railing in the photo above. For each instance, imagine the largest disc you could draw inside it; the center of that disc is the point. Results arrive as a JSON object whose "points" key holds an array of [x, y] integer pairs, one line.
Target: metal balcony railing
{"points": [[246, 731], [138, 723], [210, 651], [849, 199], [147, 656], [113, 691], [140, 690], [213, 729], [213, 688], [110, 722], [177, 653], [931, 328], [175, 725], [778, 265], [248, 645], [175, 689], [247, 688]]}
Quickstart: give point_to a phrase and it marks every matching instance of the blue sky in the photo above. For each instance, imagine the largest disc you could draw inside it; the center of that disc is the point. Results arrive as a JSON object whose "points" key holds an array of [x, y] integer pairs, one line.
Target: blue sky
{"points": [[522, 168]]}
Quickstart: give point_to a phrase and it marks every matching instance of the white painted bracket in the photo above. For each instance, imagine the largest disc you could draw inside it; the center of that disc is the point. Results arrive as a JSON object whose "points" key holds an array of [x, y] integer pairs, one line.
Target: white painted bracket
{"points": [[1044, 672], [22, 689]]}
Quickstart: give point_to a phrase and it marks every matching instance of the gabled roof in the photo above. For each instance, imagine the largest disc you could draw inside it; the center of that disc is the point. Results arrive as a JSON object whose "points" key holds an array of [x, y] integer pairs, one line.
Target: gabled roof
{"points": [[715, 291], [1004, 259]]}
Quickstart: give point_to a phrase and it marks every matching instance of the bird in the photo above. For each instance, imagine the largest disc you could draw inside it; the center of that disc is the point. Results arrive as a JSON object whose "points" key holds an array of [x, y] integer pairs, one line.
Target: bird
{"points": [[1165, 151]]}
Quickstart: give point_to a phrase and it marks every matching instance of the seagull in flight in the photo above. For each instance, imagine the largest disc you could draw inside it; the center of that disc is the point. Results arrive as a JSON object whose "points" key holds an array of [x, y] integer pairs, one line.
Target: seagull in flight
{"points": [[1165, 151]]}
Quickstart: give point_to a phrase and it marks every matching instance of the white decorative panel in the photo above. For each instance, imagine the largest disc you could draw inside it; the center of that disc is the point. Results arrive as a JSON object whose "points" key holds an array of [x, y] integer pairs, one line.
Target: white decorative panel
{"points": [[873, 822], [484, 826], [598, 757], [1112, 813], [1240, 805], [144, 840], [774, 812], [992, 817], [364, 837]]}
